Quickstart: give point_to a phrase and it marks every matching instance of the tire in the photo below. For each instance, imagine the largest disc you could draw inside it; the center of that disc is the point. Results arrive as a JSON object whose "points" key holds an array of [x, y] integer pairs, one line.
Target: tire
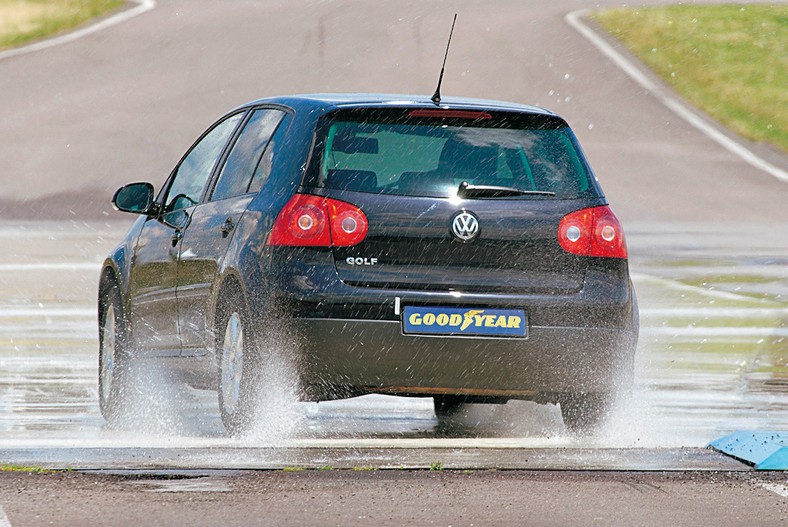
{"points": [[583, 413], [448, 406], [236, 356], [113, 352]]}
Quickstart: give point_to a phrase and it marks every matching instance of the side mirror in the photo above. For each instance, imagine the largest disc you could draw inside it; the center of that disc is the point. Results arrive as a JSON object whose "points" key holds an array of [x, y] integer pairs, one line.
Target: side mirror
{"points": [[136, 198]]}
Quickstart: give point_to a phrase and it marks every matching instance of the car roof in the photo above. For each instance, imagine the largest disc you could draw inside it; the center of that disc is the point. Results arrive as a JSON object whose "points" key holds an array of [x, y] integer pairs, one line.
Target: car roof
{"points": [[330, 101]]}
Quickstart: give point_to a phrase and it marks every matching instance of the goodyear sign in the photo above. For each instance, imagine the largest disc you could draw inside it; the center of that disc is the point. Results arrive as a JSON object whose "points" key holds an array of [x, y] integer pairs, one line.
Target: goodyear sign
{"points": [[464, 321]]}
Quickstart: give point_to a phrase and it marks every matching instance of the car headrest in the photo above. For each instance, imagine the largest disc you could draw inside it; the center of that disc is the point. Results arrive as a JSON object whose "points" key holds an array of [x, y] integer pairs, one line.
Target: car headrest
{"points": [[355, 180]]}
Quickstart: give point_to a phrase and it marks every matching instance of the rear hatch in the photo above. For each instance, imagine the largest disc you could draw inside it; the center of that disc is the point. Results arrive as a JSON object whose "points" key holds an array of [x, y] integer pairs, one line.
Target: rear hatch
{"points": [[466, 201]]}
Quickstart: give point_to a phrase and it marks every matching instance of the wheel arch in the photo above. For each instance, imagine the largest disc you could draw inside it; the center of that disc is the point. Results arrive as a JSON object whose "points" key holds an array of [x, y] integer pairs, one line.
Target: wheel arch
{"points": [[107, 280]]}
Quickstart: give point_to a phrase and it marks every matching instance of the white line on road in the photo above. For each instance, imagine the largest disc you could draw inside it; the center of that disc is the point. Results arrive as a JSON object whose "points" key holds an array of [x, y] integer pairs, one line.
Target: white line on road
{"points": [[704, 331], [717, 312], [48, 312], [142, 7], [4, 522], [41, 266], [780, 490], [573, 19], [681, 286]]}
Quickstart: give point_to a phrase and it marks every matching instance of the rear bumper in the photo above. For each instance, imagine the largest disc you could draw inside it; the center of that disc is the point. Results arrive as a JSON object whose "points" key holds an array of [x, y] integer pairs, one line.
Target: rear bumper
{"points": [[367, 356], [349, 339]]}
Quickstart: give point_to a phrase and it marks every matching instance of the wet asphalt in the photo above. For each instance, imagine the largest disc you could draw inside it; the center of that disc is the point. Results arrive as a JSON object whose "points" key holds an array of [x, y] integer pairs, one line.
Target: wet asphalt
{"points": [[711, 360]]}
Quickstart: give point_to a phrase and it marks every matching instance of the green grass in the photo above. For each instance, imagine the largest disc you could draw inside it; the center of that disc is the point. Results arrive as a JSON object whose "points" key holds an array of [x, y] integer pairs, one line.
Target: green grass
{"points": [[23, 21], [21, 468], [729, 60]]}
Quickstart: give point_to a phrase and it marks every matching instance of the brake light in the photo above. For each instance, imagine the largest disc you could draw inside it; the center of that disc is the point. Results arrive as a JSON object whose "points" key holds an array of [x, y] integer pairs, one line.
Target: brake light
{"points": [[308, 220], [452, 114], [348, 223], [593, 231]]}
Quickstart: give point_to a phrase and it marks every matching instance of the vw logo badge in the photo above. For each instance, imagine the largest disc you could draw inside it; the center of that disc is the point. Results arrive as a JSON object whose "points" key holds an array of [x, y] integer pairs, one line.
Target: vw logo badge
{"points": [[465, 226]]}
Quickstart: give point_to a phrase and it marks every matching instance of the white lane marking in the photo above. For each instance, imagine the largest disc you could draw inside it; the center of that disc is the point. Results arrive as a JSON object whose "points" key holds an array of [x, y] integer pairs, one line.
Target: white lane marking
{"points": [[142, 7], [4, 522], [705, 331], [183, 485], [681, 286], [717, 312], [780, 490], [573, 19], [131, 441], [48, 312], [44, 266]]}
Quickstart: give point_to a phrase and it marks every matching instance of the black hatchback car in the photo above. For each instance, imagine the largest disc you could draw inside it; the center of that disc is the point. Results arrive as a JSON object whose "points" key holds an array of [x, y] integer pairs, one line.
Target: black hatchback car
{"points": [[461, 250]]}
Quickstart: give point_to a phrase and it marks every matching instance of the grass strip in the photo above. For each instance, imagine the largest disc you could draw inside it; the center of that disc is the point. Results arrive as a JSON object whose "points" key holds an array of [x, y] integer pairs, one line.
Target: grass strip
{"points": [[729, 60], [23, 21]]}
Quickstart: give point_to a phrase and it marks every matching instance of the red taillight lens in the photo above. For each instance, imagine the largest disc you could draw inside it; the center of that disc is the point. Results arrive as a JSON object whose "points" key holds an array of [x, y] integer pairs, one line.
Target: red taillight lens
{"points": [[316, 221], [348, 223], [592, 232]]}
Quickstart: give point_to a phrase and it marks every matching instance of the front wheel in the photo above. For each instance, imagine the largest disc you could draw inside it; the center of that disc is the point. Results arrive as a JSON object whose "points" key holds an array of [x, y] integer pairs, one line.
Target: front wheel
{"points": [[235, 363], [113, 359]]}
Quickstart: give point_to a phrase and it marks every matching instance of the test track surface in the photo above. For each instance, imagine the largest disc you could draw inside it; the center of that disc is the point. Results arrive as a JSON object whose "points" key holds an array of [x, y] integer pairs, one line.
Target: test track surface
{"points": [[84, 117]]}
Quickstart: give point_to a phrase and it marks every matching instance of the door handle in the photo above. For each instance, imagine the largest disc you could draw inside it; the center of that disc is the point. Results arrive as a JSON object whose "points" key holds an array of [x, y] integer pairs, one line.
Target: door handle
{"points": [[227, 227], [176, 237]]}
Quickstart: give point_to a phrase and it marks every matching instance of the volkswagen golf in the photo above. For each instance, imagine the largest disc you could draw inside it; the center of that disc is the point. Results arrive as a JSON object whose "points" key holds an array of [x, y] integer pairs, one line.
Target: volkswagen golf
{"points": [[462, 250]]}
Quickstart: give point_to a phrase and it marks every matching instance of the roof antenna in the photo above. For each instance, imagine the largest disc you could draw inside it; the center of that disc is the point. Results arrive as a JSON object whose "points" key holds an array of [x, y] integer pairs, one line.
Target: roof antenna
{"points": [[436, 98]]}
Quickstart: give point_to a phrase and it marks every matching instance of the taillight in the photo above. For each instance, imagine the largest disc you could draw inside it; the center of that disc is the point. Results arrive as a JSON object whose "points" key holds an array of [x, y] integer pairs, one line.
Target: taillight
{"points": [[348, 223], [592, 232], [316, 221]]}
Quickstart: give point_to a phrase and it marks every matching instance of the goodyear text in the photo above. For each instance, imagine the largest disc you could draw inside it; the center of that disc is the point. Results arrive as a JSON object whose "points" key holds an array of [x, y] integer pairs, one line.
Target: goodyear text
{"points": [[463, 321]]}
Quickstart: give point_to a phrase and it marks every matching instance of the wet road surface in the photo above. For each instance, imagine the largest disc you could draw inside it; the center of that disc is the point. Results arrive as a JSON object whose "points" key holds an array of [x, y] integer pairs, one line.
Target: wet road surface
{"points": [[713, 358]]}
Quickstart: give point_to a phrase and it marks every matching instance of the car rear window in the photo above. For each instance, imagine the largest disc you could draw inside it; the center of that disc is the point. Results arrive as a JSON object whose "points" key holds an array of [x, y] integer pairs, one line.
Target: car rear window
{"points": [[423, 153]]}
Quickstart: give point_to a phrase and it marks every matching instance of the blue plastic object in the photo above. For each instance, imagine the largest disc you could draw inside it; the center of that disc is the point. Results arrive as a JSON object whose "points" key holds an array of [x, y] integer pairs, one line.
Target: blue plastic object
{"points": [[763, 450]]}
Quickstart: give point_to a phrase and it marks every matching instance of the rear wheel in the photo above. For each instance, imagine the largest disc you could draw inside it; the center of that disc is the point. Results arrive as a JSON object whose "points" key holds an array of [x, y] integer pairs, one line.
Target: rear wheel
{"points": [[585, 412], [113, 359], [235, 365]]}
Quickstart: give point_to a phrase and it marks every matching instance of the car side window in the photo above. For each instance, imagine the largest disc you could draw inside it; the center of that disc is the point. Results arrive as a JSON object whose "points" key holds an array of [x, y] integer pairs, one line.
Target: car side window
{"points": [[263, 169], [247, 155], [193, 173]]}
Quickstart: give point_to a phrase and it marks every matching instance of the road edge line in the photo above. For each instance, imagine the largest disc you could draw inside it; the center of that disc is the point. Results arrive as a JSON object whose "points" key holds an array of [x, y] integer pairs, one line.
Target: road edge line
{"points": [[4, 521], [635, 73], [780, 490], [142, 6]]}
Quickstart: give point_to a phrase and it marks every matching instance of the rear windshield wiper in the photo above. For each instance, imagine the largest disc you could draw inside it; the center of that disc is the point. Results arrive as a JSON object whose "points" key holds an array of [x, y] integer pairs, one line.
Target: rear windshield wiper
{"points": [[492, 191]]}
